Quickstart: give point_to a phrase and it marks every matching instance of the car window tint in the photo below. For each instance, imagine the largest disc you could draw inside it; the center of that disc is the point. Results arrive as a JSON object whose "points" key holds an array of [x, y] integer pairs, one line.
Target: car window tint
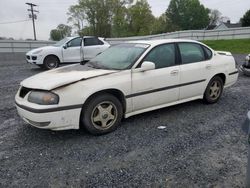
{"points": [[162, 56], [75, 42], [92, 42], [208, 52], [191, 53]]}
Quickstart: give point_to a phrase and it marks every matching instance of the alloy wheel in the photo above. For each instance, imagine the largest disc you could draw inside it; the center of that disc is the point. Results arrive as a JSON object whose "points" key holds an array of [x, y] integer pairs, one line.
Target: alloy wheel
{"points": [[215, 90], [104, 115]]}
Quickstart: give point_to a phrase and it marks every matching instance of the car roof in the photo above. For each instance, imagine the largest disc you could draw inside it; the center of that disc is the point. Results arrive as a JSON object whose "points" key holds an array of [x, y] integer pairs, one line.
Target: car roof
{"points": [[82, 36], [162, 41]]}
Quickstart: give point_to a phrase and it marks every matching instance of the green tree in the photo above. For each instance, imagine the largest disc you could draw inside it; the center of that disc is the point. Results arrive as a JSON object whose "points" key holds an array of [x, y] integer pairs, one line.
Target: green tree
{"points": [[55, 35], [188, 14], [98, 15], [60, 32], [86, 31], [162, 24], [245, 20], [76, 16], [140, 18], [120, 24]]}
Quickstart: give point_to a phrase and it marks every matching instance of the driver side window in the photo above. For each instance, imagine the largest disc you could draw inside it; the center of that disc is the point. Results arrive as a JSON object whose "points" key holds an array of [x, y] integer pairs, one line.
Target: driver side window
{"points": [[163, 56], [75, 42]]}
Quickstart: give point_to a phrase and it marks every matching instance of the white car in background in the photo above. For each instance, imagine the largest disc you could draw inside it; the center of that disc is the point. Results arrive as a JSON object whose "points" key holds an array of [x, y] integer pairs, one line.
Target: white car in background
{"points": [[68, 50], [125, 80]]}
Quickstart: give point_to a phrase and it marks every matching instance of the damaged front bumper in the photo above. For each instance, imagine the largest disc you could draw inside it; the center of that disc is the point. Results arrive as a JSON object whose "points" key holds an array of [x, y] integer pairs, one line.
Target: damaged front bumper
{"points": [[53, 119]]}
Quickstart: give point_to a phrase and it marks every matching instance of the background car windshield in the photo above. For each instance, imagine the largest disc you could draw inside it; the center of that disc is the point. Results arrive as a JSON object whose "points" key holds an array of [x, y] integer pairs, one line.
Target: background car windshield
{"points": [[61, 42], [119, 57]]}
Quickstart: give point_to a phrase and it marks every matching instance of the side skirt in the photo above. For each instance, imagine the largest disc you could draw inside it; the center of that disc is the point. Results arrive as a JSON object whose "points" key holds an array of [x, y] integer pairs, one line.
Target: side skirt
{"points": [[162, 106]]}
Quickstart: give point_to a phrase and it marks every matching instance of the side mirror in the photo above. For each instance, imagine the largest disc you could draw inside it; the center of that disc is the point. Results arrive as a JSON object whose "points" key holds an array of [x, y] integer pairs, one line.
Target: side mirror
{"points": [[145, 66], [65, 46]]}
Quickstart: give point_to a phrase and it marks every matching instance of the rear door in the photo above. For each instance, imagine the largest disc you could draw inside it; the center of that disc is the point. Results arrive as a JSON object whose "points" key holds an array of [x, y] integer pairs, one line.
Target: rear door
{"points": [[92, 46], [159, 86], [194, 70], [72, 52]]}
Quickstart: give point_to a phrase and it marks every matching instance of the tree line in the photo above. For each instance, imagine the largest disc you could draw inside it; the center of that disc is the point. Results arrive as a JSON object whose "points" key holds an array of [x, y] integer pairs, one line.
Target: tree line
{"points": [[124, 18]]}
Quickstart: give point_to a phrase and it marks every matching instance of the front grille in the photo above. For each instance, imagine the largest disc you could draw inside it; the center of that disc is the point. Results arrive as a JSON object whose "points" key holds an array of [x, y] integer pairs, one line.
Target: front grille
{"points": [[28, 57], [34, 58], [24, 91]]}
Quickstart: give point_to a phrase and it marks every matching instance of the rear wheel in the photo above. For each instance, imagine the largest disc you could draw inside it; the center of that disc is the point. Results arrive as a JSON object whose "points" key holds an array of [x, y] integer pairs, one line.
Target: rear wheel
{"points": [[102, 114], [51, 62], [214, 90]]}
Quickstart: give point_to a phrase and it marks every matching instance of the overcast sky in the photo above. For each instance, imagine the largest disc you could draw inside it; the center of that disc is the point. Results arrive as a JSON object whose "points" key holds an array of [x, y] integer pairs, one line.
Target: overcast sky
{"points": [[53, 12]]}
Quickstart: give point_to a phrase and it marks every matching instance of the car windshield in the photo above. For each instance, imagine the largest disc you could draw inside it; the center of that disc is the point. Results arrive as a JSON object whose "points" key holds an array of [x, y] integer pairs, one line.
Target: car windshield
{"points": [[119, 57], [61, 42]]}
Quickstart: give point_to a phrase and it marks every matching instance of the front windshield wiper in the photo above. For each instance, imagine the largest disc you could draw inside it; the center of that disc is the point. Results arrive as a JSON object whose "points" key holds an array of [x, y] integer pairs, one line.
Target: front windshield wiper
{"points": [[92, 64], [95, 65]]}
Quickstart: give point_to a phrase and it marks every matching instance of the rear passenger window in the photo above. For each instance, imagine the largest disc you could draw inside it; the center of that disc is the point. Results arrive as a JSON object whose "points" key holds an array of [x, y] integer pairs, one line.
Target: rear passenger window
{"points": [[162, 56], [92, 42], [191, 53]]}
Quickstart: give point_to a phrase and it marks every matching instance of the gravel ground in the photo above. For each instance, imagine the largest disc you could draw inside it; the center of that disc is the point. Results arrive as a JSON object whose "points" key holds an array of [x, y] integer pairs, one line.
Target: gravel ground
{"points": [[202, 146]]}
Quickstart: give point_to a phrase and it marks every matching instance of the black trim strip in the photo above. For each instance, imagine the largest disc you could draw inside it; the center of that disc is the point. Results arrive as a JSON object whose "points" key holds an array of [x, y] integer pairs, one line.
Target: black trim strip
{"points": [[232, 73], [63, 108], [164, 88]]}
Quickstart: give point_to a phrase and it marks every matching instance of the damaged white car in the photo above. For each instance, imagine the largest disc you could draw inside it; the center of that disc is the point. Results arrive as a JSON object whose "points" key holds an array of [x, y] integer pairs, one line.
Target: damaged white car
{"points": [[125, 80]]}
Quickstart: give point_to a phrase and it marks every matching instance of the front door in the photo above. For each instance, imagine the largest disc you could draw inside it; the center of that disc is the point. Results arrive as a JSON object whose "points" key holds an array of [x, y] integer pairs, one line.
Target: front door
{"points": [[72, 52], [159, 86]]}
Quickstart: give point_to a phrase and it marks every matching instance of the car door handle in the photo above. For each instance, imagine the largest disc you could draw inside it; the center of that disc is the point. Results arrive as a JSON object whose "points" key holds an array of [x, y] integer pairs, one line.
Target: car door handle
{"points": [[209, 66], [174, 72]]}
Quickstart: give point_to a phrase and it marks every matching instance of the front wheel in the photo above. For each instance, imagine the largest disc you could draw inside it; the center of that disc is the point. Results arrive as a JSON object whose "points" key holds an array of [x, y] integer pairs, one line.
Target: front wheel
{"points": [[102, 114], [51, 62], [214, 90]]}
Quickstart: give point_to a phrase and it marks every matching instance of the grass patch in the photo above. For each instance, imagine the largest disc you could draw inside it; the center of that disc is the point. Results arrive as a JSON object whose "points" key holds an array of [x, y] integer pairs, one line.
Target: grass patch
{"points": [[236, 46]]}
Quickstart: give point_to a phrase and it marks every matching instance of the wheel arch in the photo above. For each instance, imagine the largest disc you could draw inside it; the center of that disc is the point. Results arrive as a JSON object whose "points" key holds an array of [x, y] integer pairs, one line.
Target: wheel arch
{"points": [[222, 76], [52, 55], [116, 92]]}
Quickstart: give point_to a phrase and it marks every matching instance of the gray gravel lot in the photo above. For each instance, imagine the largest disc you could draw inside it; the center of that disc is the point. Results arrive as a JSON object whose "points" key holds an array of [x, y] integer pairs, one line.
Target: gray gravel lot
{"points": [[203, 145]]}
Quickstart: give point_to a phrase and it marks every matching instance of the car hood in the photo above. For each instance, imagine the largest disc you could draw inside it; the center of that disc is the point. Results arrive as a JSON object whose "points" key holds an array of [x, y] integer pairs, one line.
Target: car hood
{"points": [[63, 76], [42, 48]]}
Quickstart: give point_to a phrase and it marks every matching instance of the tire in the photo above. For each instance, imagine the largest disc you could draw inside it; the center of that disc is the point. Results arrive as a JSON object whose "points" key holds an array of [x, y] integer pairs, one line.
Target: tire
{"points": [[50, 62], [101, 114], [214, 90]]}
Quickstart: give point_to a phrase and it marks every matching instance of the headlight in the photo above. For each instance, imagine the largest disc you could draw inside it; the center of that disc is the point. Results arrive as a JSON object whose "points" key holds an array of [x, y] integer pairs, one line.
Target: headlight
{"points": [[43, 97], [37, 51]]}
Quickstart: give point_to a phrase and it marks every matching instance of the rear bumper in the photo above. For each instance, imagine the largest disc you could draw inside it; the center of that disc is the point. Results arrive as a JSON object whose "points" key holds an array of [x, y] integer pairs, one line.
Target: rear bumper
{"points": [[232, 78]]}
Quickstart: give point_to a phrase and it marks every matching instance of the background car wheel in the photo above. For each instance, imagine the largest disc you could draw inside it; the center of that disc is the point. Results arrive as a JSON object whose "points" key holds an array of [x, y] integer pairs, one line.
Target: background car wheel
{"points": [[214, 90], [101, 114], [51, 62]]}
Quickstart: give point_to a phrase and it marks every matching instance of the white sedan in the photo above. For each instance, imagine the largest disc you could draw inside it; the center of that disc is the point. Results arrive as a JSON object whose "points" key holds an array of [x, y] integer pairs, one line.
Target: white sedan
{"points": [[68, 50], [125, 80]]}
